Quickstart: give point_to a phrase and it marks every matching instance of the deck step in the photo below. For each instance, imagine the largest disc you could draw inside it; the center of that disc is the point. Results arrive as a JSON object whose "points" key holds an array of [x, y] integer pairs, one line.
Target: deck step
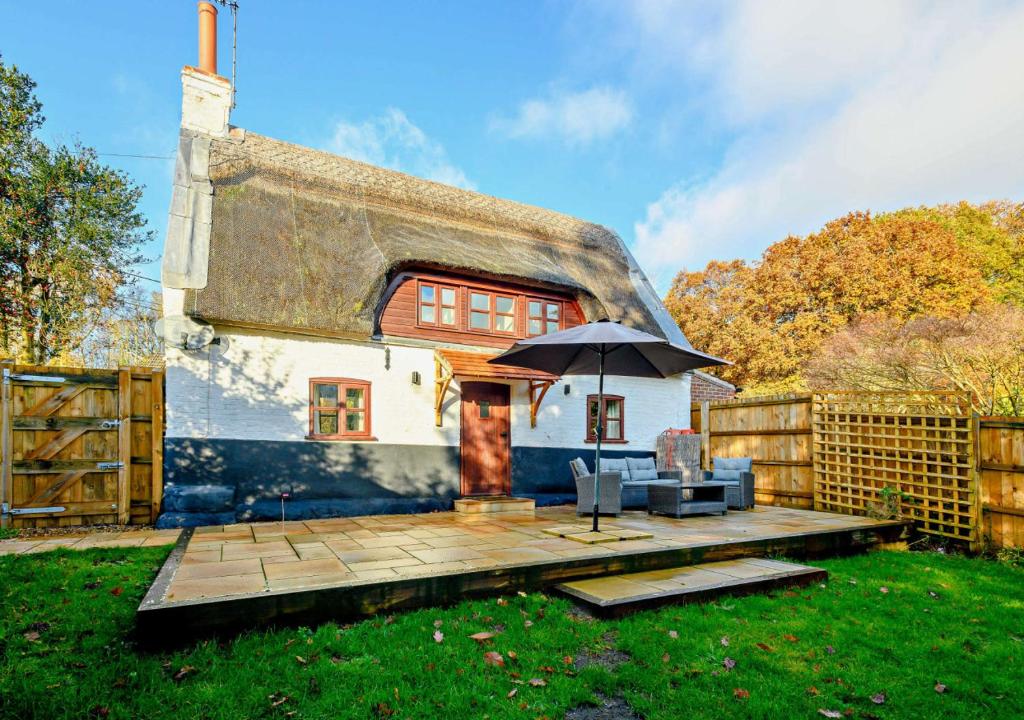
{"points": [[617, 594]]}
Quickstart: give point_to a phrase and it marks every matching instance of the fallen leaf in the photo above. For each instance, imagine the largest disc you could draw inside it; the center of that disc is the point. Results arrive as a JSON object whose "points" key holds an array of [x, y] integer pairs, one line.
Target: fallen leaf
{"points": [[724, 641], [31, 636], [546, 668], [940, 688], [438, 636], [116, 592], [741, 694], [673, 634], [728, 663], [482, 637], [277, 700], [93, 585], [665, 658], [538, 682], [512, 655], [512, 693], [813, 691], [493, 658], [790, 638], [830, 650], [521, 594], [829, 713], [884, 590], [100, 711], [878, 698], [528, 623], [766, 648], [185, 670], [502, 602], [300, 660], [438, 623], [567, 659]]}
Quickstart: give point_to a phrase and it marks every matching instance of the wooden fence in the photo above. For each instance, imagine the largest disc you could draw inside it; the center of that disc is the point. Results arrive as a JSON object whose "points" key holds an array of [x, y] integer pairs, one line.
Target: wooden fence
{"points": [[956, 475], [775, 431], [1001, 461], [80, 446]]}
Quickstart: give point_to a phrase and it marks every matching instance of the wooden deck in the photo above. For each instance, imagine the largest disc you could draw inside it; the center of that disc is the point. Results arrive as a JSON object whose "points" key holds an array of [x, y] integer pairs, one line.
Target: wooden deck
{"points": [[232, 577]]}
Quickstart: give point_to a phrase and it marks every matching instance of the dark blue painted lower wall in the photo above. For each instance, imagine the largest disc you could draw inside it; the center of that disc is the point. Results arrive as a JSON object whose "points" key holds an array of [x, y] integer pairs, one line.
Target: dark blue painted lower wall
{"points": [[208, 481], [544, 475]]}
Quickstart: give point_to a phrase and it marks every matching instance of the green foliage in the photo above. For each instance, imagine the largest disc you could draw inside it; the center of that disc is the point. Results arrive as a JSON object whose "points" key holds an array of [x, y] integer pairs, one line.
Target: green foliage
{"points": [[891, 624], [69, 225]]}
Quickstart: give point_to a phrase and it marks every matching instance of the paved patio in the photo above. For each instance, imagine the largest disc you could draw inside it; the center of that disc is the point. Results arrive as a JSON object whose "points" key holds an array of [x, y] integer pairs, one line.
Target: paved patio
{"points": [[250, 558], [237, 576]]}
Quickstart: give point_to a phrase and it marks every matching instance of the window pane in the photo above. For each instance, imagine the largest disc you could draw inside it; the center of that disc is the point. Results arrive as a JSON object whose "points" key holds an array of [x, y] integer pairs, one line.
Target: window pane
{"points": [[354, 398], [534, 308], [613, 408], [479, 320], [480, 301], [325, 395], [355, 422], [447, 296], [552, 311], [427, 293], [427, 313], [326, 422], [448, 315], [536, 327], [593, 409], [505, 305], [613, 430], [485, 408], [505, 323], [552, 327]]}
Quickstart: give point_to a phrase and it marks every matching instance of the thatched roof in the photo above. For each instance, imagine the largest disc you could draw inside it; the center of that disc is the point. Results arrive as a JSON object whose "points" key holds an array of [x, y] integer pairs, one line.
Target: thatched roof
{"points": [[303, 239]]}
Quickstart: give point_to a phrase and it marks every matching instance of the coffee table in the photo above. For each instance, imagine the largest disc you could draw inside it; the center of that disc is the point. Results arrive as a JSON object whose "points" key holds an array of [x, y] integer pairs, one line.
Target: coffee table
{"points": [[706, 497]]}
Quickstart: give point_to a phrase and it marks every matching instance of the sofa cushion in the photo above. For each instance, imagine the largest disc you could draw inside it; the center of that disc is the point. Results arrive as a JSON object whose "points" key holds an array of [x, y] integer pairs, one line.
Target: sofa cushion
{"points": [[579, 467], [615, 465], [729, 469], [642, 468]]}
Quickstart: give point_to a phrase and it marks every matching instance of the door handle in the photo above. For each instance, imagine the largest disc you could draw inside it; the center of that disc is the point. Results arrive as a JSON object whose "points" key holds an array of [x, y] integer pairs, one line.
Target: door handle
{"points": [[503, 434]]}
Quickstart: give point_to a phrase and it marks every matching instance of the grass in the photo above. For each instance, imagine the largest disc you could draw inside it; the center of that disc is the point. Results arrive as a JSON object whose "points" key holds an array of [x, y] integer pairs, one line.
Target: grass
{"points": [[891, 624]]}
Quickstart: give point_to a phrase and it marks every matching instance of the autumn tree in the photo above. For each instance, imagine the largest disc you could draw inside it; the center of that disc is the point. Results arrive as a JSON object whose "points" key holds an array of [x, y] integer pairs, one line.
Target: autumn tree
{"points": [[981, 353], [770, 317], [68, 227]]}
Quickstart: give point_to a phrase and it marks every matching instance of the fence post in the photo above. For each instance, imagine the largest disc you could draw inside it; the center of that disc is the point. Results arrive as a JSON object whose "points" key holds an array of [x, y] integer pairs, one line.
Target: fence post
{"points": [[6, 411], [977, 545], [124, 444], [705, 434], [157, 454]]}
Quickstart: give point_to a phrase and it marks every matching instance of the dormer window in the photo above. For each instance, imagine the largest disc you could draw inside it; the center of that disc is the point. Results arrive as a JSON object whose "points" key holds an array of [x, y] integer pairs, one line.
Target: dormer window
{"points": [[544, 317], [437, 305]]}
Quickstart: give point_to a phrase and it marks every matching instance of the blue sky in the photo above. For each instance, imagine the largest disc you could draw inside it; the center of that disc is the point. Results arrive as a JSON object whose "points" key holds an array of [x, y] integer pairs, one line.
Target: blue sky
{"points": [[696, 130]]}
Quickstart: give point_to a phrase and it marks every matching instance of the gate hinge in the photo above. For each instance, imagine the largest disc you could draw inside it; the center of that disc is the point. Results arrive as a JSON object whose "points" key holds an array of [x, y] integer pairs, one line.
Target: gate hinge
{"points": [[8, 510], [109, 465], [8, 376], [108, 424]]}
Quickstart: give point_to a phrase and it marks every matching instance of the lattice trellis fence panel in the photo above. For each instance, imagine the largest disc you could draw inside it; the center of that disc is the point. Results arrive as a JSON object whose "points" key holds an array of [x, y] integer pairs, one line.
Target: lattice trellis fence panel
{"points": [[920, 445]]}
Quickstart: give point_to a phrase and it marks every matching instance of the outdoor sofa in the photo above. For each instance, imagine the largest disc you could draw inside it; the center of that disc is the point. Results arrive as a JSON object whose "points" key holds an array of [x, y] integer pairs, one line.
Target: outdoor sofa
{"points": [[739, 476], [629, 480]]}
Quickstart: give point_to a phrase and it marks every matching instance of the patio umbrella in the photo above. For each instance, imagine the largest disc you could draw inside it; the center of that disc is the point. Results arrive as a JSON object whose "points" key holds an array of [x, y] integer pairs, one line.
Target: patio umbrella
{"points": [[604, 348]]}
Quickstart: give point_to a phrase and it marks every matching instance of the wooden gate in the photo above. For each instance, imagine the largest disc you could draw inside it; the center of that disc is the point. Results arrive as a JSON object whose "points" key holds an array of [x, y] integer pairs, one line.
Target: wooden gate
{"points": [[80, 446]]}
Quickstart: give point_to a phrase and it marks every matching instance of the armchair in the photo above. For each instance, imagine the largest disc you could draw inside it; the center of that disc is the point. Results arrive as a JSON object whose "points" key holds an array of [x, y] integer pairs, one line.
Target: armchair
{"points": [[738, 473]]}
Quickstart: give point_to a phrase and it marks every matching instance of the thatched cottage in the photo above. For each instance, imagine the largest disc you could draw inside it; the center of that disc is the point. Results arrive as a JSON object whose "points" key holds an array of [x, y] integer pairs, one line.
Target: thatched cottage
{"points": [[353, 309]]}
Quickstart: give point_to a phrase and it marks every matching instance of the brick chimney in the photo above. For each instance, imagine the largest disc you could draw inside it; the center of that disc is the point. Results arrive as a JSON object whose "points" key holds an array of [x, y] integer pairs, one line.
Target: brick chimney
{"points": [[205, 95]]}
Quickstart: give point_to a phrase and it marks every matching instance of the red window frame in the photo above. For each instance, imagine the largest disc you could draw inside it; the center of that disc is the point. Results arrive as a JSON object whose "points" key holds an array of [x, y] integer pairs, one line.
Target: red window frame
{"points": [[591, 435], [343, 384], [492, 312], [439, 305], [543, 318]]}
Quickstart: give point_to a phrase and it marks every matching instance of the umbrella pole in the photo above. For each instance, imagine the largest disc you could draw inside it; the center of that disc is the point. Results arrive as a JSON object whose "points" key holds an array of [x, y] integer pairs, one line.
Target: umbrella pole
{"points": [[599, 431]]}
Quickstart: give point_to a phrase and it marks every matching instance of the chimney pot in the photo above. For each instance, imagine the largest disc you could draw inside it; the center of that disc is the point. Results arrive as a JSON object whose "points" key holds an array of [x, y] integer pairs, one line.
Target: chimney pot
{"points": [[208, 37]]}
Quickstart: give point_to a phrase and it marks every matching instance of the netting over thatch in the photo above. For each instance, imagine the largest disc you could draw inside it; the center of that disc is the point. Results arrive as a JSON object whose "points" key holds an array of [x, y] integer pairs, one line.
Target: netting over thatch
{"points": [[304, 239]]}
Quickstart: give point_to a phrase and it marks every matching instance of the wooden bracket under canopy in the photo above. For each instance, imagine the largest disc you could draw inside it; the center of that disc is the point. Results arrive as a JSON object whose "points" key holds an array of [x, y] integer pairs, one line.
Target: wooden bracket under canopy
{"points": [[538, 389], [443, 375]]}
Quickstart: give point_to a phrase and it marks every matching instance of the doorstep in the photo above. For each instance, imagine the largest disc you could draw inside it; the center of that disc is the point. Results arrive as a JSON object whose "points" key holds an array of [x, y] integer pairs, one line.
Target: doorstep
{"points": [[494, 504]]}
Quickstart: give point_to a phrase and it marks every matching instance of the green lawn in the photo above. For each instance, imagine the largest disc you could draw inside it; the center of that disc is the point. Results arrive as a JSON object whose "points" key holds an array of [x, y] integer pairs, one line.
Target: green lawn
{"points": [[888, 625]]}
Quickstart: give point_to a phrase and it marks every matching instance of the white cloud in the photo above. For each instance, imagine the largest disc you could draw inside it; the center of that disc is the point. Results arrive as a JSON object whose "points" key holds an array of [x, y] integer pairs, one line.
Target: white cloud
{"points": [[577, 118], [834, 107], [392, 140]]}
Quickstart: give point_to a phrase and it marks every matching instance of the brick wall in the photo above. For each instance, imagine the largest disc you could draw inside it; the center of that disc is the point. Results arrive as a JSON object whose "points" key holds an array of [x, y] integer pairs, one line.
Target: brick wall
{"points": [[702, 389]]}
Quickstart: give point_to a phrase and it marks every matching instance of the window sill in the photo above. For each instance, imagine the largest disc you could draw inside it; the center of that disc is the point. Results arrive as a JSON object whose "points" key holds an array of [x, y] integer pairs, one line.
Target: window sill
{"points": [[607, 442], [341, 438]]}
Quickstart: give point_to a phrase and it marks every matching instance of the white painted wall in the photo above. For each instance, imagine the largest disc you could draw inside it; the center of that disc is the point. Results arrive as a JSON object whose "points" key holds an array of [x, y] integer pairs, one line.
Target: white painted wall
{"points": [[258, 389]]}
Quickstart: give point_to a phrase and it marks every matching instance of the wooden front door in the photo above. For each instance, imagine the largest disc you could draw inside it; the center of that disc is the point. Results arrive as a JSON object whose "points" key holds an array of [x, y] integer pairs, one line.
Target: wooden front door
{"points": [[485, 439]]}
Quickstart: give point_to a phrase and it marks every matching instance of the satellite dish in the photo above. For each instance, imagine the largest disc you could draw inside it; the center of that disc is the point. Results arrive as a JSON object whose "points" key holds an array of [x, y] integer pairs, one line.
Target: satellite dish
{"points": [[183, 332]]}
